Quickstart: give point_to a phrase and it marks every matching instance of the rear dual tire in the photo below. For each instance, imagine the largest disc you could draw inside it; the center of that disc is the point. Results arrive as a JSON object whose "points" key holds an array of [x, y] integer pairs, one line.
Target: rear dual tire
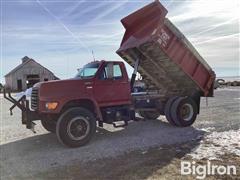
{"points": [[181, 111], [168, 110]]}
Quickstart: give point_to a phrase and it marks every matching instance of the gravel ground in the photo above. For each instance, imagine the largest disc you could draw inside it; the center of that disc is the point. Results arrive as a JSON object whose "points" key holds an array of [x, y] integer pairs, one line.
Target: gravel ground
{"points": [[29, 156]]}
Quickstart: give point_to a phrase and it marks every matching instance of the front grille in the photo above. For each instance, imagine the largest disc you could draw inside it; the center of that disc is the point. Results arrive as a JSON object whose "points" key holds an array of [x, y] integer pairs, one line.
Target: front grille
{"points": [[34, 99]]}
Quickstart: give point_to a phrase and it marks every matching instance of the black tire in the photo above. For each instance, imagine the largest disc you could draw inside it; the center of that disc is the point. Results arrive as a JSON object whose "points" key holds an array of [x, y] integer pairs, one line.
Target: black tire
{"points": [[149, 114], [49, 124], [184, 111], [75, 127], [168, 109]]}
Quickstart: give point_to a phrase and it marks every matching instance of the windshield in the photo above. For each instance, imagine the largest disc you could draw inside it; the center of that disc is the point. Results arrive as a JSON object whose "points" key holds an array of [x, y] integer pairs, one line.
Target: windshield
{"points": [[88, 71]]}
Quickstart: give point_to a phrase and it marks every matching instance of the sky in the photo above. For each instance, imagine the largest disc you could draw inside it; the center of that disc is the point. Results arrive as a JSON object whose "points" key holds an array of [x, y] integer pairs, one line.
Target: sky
{"points": [[61, 35]]}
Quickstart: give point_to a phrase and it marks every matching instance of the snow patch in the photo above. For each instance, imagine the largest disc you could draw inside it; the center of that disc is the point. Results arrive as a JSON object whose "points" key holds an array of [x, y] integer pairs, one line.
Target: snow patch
{"points": [[217, 144], [209, 129]]}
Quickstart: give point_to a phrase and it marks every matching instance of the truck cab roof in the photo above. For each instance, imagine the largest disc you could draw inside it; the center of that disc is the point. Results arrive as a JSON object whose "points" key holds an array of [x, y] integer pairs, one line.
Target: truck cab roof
{"points": [[103, 61]]}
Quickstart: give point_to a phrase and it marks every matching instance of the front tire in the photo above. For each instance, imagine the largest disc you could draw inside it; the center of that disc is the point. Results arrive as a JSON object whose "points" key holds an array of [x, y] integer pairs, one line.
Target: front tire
{"points": [[49, 125], [75, 127]]}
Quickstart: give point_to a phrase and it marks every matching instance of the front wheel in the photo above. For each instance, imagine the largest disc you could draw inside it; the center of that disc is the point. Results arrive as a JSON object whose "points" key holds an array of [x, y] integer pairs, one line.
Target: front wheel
{"points": [[75, 127], [49, 124]]}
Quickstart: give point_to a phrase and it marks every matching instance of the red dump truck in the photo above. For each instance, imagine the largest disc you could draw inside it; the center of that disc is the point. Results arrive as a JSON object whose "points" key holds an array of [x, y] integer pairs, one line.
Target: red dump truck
{"points": [[174, 74]]}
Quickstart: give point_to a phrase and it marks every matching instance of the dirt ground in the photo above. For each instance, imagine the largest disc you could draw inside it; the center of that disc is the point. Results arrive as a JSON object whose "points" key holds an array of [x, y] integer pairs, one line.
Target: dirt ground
{"points": [[155, 163], [143, 150]]}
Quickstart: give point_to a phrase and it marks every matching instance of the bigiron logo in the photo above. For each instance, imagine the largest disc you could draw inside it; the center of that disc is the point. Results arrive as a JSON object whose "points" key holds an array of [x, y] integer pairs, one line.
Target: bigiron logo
{"points": [[201, 171]]}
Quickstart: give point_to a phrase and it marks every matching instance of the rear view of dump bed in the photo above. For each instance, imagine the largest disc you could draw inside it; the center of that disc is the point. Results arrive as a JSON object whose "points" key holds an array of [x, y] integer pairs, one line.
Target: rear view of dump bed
{"points": [[168, 61]]}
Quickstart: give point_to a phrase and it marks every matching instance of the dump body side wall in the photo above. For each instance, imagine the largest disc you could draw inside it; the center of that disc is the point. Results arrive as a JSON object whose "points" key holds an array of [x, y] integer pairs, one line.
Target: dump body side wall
{"points": [[186, 59]]}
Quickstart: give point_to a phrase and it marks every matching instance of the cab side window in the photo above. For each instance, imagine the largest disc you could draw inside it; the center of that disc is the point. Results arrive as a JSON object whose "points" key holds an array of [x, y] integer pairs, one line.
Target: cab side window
{"points": [[115, 69], [117, 72]]}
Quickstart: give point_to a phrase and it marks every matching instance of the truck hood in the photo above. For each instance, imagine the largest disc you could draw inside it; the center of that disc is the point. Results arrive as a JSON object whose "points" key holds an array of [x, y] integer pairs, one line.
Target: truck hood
{"points": [[60, 89]]}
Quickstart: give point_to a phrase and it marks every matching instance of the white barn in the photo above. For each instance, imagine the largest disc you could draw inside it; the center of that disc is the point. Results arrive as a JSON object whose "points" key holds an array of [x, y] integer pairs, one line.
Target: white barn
{"points": [[27, 74]]}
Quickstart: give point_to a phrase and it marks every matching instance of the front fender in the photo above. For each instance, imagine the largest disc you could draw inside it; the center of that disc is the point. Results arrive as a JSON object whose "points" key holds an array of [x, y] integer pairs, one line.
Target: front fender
{"points": [[64, 104]]}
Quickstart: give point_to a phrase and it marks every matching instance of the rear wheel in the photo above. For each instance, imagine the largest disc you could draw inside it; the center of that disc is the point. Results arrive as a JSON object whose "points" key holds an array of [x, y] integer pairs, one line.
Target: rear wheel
{"points": [[149, 114], [49, 124], [184, 111], [168, 109], [75, 127]]}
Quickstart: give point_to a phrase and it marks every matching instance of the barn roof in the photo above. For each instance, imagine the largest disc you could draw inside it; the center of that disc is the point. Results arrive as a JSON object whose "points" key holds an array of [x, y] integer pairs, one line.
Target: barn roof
{"points": [[26, 60]]}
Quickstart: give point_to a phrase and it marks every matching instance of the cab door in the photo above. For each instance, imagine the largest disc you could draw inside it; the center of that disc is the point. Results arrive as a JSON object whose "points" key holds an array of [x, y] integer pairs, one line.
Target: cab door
{"points": [[111, 87]]}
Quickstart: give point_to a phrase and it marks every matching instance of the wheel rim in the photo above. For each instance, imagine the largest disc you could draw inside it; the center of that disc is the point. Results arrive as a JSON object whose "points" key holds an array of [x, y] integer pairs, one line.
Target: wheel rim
{"points": [[186, 112], [78, 128]]}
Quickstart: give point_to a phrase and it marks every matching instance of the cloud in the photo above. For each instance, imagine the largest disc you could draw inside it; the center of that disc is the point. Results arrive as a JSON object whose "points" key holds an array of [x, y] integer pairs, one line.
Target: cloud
{"points": [[72, 9], [217, 9], [112, 8], [64, 26], [218, 38], [89, 7], [213, 28]]}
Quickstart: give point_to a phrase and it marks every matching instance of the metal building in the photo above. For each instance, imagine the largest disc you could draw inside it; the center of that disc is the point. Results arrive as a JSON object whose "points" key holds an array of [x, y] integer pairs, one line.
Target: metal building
{"points": [[27, 74]]}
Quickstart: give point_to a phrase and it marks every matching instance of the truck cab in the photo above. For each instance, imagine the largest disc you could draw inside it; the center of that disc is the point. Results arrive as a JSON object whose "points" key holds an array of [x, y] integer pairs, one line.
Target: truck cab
{"points": [[103, 83]]}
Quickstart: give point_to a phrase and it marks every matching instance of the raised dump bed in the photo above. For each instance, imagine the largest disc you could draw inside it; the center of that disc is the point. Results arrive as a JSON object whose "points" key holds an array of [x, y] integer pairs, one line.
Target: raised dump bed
{"points": [[168, 61]]}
